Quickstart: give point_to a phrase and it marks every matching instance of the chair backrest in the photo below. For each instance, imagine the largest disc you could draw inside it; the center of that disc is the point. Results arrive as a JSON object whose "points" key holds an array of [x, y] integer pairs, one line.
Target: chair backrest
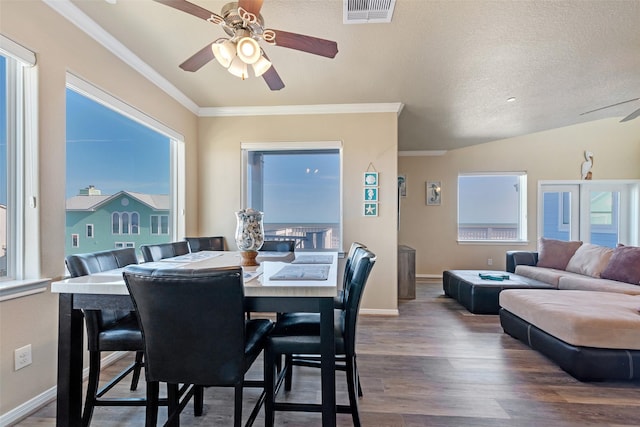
{"points": [[213, 243], [356, 252], [279, 245], [193, 323], [157, 252], [353, 297], [96, 262], [180, 248]]}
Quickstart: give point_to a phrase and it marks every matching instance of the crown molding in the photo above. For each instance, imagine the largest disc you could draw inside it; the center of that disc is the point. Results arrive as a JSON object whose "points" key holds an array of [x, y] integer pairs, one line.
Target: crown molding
{"points": [[287, 110], [78, 18], [422, 153]]}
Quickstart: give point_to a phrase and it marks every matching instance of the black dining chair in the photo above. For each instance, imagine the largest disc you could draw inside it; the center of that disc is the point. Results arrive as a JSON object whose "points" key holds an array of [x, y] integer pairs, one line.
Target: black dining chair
{"points": [[213, 243], [288, 343], [195, 334], [278, 246], [296, 323], [108, 330], [160, 251]]}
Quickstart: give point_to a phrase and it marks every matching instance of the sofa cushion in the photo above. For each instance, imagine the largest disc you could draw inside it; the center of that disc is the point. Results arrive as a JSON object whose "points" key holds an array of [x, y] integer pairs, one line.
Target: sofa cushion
{"points": [[580, 318], [624, 265], [592, 284], [556, 253], [546, 275], [589, 260]]}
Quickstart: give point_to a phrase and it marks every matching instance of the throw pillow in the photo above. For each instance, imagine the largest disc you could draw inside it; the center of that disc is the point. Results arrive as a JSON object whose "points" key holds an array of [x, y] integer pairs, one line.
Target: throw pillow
{"points": [[556, 253], [590, 260], [624, 265]]}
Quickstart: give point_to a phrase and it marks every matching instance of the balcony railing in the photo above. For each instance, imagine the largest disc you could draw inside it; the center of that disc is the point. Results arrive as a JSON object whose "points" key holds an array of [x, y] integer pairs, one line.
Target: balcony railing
{"points": [[307, 236], [488, 232]]}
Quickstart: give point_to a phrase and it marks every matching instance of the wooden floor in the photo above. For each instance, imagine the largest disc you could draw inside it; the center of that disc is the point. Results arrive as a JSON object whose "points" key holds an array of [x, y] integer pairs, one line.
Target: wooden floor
{"points": [[434, 365]]}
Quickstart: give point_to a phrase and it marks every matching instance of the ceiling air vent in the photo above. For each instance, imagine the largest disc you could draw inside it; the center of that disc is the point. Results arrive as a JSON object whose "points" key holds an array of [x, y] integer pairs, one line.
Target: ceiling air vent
{"points": [[368, 11]]}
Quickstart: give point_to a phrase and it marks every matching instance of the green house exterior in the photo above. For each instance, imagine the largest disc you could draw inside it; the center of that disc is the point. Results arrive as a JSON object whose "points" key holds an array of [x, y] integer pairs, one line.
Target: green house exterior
{"points": [[96, 222]]}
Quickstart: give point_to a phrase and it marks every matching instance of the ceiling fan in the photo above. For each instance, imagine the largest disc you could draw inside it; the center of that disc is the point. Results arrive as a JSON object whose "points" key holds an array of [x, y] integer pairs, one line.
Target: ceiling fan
{"points": [[244, 25], [631, 116]]}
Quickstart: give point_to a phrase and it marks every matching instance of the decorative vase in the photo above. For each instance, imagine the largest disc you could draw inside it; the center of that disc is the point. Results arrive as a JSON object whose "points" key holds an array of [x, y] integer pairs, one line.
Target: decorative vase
{"points": [[249, 235]]}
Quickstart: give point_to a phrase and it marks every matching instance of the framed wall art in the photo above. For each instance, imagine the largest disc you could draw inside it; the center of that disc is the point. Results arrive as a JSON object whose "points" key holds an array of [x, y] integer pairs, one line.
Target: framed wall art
{"points": [[433, 193]]}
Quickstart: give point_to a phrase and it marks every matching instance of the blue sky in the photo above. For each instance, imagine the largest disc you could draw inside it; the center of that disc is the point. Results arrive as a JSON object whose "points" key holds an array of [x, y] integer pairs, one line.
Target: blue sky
{"points": [[112, 152]]}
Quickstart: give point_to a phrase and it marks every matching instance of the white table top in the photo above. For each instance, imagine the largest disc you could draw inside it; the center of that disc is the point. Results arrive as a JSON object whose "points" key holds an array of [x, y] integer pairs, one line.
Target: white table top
{"points": [[257, 279]]}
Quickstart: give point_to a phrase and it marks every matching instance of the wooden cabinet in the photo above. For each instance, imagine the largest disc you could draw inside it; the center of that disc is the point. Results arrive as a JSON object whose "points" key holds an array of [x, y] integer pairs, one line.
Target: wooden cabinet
{"points": [[406, 272]]}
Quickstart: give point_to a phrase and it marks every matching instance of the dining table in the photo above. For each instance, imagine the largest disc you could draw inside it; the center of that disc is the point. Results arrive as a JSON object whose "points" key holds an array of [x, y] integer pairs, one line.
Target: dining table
{"points": [[282, 282]]}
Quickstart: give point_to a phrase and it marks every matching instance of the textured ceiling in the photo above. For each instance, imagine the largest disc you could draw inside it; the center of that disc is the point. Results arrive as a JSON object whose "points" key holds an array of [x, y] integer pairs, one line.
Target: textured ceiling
{"points": [[453, 64]]}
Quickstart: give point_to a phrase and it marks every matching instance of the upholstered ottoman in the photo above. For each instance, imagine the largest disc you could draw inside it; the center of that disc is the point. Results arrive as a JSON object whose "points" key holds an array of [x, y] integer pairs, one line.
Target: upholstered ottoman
{"points": [[480, 296], [591, 335]]}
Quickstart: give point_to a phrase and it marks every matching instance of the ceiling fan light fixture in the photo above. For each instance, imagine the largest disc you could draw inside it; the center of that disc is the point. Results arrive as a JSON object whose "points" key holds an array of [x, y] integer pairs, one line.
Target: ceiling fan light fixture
{"points": [[238, 68], [261, 66], [224, 51], [248, 50]]}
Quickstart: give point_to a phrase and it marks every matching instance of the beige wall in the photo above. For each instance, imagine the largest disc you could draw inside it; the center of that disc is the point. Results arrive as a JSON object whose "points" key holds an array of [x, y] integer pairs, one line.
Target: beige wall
{"points": [[551, 155], [61, 47], [367, 139]]}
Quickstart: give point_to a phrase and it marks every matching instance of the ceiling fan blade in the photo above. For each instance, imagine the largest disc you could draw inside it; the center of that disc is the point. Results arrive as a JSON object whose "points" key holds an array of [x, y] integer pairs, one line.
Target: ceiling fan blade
{"points": [[304, 43], [251, 6], [631, 116], [193, 9], [272, 78], [199, 59]]}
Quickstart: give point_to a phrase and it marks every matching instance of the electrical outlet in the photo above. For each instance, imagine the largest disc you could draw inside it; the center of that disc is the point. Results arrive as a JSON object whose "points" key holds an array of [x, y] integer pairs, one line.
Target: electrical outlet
{"points": [[22, 357], [489, 261]]}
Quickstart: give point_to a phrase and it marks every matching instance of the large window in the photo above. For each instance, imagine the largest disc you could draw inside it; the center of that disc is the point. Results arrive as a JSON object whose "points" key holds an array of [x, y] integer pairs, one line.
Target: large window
{"points": [[123, 173], [599, 212], [298, 187], [492, 207], [19, 250]]}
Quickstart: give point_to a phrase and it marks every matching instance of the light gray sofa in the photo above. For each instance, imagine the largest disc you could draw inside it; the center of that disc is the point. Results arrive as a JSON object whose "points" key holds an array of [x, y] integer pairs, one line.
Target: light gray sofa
{"points": [[588, 325]]}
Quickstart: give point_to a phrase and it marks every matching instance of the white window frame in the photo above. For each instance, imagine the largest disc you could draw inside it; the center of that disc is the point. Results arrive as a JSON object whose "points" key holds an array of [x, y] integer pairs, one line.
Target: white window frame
{"points": [[629, 206], [521, 237], [90, 231], [177, 157], [75, 240], [246, 147], [23, 210]]}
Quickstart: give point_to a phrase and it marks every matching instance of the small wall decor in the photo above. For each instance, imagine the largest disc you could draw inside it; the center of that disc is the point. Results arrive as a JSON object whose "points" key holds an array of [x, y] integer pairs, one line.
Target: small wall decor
{"points": [[370, 209], [402, 185], [587, 165], [371, 179], [433, 193], [370, 192]]}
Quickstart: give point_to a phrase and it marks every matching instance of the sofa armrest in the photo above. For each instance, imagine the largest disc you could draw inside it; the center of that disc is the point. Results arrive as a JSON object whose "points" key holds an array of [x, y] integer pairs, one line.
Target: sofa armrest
{"points": [[515, 258]]}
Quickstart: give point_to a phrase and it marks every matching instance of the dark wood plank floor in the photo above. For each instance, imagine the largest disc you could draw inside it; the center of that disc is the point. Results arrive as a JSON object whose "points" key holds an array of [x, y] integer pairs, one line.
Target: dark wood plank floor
{"points": [[434, 365]]}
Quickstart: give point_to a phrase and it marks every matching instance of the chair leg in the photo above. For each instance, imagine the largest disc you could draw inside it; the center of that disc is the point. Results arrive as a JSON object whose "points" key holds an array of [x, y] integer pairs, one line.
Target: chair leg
{"points": [[352, 381], [136, 370], [269, 387], [237, 412], [151, 415], [355, 368], [198, 400], [92, 387], [173, 405], [288, 375]]}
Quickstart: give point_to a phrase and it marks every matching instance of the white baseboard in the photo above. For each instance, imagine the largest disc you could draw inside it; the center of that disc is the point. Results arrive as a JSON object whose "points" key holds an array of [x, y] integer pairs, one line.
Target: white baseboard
{"points": [[32, 405], [379, 312]]}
